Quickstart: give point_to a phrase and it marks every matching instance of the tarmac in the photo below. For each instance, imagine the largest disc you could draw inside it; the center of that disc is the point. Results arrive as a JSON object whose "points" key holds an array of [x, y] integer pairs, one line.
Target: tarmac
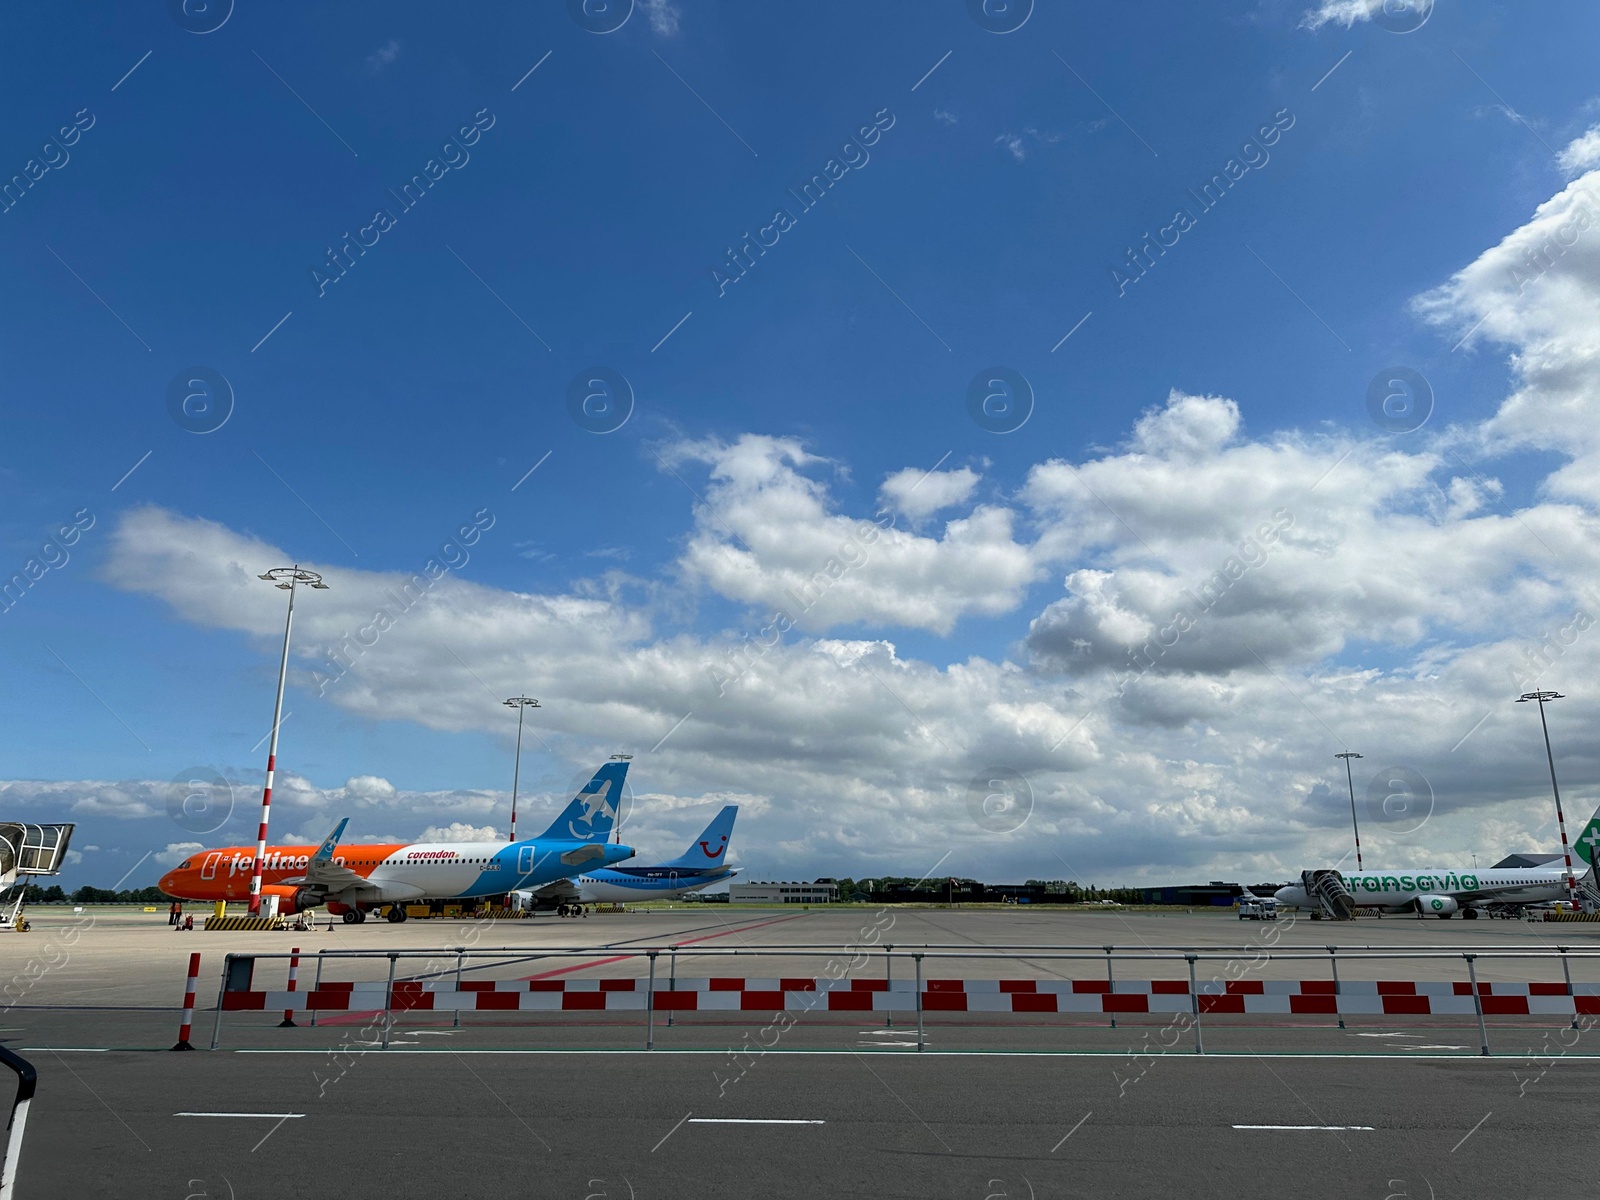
{"points": [[991, 1104]]}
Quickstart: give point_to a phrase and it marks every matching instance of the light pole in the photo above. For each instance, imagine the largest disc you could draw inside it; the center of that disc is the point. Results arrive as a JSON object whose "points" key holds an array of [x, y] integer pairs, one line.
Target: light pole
{"points": [[521, 704], [1561, 820], [1350, 779], [285, 578]]}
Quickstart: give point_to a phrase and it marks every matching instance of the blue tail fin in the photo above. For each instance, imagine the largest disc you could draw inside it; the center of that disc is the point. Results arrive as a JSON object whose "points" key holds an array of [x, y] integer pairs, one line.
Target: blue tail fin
{"points": [[710, 849], [593, 811]]}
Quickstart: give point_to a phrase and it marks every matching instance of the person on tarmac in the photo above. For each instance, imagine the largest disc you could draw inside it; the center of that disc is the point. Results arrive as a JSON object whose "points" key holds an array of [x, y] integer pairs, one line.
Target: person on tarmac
{"points": [[174, 913]]}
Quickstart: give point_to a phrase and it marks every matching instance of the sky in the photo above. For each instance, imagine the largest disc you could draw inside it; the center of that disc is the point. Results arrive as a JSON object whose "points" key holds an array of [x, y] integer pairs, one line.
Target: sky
{"points": [[976, 438]]}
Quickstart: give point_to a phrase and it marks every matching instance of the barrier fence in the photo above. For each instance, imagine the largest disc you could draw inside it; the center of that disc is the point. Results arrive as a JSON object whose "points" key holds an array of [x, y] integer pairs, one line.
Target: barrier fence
{"points": [[850, 983]]}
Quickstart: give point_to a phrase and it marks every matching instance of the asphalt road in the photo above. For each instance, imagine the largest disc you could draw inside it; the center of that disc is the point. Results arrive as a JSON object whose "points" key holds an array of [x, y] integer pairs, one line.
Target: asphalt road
{"points": [[635, 1125]]}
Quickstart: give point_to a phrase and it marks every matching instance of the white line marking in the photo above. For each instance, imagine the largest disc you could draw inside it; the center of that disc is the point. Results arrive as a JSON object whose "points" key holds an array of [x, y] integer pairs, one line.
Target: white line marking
{"points": [[275, 1116], [1367, 1128], [931, 70], [273, 330], [1072, 1131], [658, 1053], [531, 470], [1073, 330], [531, 70], [131, 470], [131, 70], [1331, 70], [670, 1132], [748, 1121], [672, 331]]}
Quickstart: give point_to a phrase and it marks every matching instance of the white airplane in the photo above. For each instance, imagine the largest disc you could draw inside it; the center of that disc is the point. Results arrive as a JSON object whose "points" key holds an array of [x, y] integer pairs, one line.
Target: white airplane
{"points": [[1443, 893]]}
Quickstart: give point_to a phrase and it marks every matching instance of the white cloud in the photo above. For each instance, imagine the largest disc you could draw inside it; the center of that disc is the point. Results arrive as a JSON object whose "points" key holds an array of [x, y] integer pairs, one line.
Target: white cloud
{"points": [[385, 55], [946, 118], [919, 494], [663, 15], [1397, 613], [1341, 12], [1013, 145], [767, 535], [176, 852], [458, 831], [1582, 153]]}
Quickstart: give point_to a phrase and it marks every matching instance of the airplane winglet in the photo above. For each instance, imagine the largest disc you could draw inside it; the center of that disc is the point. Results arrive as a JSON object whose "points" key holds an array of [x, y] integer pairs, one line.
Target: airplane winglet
{"points": [[330, 843]]}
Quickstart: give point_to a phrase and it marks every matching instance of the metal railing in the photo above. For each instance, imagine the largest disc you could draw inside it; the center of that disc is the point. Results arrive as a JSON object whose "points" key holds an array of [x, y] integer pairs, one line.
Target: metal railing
{"points": [[920, 954]]}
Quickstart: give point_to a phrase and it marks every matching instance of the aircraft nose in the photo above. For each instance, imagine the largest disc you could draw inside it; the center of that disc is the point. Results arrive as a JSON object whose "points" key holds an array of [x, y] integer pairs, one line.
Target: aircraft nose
{"points": [[1283, 895], [167, 881]]}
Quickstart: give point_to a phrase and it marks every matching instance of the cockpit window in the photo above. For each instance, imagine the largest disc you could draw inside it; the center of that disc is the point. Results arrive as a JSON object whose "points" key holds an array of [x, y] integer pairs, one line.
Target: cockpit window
{"points": [[184, 865]]}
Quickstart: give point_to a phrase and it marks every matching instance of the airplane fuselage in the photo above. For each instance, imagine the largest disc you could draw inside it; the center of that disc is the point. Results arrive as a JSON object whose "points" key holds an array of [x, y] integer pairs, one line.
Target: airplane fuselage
{"points": [[1402, 889], [391, 871], [623, 884]]}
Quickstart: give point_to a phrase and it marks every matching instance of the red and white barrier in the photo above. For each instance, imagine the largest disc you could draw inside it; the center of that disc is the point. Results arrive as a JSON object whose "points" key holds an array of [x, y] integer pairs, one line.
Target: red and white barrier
{"points": [[188, 1004], [1249, 996]]}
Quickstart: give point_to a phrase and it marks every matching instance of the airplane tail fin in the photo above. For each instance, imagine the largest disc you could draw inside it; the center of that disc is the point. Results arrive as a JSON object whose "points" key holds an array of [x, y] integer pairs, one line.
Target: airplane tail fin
{"points": [[710, 849], [1587, 845], [593, 811], [330, 843]]}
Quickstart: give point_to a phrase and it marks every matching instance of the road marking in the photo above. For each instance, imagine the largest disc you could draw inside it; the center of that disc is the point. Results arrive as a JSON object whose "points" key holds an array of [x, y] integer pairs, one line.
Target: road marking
{"points": [[1487, 1063], [1367, 1128], [748, 1121], [279, 1116]]}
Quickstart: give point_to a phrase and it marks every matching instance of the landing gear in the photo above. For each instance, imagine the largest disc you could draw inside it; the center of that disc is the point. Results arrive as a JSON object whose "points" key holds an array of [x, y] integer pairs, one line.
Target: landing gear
{"points": [[396, 914], [1469, 914], [353, 916]]}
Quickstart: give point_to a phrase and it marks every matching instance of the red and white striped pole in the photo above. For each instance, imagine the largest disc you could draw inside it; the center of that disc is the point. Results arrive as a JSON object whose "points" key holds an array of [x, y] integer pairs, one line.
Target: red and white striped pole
{"points": [[286, 578], [294, 977], [188, 1003]]}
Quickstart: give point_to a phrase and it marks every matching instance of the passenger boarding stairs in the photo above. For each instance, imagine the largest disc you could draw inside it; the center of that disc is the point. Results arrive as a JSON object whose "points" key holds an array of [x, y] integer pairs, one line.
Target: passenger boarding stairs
{"points": [[27, 849], [1326, 889], [1588, 894]]}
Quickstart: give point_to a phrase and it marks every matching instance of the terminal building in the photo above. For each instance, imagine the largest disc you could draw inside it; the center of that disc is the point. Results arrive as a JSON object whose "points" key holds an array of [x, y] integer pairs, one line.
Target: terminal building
{"points": [[821, 892]]}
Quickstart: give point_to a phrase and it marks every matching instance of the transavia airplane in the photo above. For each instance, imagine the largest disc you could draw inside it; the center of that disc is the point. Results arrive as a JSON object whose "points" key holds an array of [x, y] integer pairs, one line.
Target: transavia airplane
{"points": [[1443, 893], [700, 866], [350, 879]]}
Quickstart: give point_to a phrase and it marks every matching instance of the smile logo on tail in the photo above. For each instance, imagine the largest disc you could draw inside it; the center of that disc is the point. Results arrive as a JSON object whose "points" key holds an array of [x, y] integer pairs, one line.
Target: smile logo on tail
{"points": [[717, 853]]}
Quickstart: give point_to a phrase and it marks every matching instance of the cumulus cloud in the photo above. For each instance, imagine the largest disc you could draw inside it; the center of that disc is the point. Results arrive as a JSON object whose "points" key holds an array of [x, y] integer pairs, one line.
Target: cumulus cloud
{"points": [[458, 831], [918, 494], [1341, 589], [176, 852], [1582, 153], [769, 536]]}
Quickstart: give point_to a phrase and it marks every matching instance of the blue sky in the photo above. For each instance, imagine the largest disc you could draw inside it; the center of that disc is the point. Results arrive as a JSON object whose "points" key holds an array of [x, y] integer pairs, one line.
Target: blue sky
{"points": [[1010, 176]]}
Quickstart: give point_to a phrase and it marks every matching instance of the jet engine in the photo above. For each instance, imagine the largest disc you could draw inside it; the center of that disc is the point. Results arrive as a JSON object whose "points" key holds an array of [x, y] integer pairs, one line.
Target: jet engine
{"points": [[1443, 907]]}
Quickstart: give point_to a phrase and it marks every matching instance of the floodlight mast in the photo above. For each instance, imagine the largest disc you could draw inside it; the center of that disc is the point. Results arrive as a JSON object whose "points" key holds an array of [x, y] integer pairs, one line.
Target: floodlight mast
{"points": [[521, 704], [1561, 820], [1350, 779], [285, 578]]}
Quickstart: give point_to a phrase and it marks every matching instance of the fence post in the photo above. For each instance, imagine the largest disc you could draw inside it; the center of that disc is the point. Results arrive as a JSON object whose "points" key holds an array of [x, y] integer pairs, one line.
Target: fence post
{"points": [[650, 1005], [1566, 971], [388, 1001], [1111, 983], [672, 984], [1477, 1002], [1338, 992], [188, 1003], [1194, 1003], [888, 978], [460, 954], [316, 986], [918, 957], [216, 1029], [294, 979]]}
